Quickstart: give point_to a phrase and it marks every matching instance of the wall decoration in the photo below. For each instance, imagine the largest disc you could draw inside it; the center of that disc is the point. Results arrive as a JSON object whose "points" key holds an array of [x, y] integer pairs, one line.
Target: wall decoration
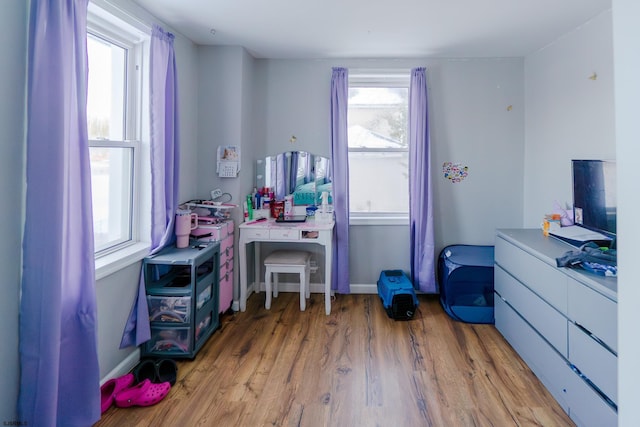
{"points": [[455, 172], [228, 164]]}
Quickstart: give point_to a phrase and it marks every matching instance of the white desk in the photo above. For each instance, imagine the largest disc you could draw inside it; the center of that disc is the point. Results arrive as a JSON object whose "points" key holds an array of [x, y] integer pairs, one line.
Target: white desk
{"points": [[270, 231]]}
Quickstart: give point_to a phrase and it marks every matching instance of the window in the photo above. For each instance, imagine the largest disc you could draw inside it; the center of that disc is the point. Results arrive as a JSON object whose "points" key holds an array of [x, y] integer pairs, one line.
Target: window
{"points": [[113, 122], [378, 145]]}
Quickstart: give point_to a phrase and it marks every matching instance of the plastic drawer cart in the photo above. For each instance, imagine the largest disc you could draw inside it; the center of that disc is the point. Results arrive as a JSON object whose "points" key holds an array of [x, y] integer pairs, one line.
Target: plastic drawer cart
{"points": [[217, 226], [397, 294], [182, 288], [465, 275]]}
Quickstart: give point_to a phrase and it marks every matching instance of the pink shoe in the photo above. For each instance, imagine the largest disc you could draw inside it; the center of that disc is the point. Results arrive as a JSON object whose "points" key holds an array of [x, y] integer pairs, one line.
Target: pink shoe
{"points": [[144, 394], [111, 388]]}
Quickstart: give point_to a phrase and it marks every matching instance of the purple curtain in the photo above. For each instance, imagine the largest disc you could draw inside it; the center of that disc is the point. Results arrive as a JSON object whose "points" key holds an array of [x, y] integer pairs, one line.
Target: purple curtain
{"points": [[293, 172], [420, 197], [281, 176], [59, 373], [164, 169], [340, 176]]}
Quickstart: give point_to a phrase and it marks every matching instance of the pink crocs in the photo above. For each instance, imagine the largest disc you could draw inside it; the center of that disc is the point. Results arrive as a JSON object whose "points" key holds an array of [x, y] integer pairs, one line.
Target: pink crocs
{"points": [[144, 394], [111, 388]]}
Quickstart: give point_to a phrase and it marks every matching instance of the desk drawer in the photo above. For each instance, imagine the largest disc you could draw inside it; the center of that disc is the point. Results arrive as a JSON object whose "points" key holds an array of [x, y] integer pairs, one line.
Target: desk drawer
{"points": [[284, 234], [256, 233]]}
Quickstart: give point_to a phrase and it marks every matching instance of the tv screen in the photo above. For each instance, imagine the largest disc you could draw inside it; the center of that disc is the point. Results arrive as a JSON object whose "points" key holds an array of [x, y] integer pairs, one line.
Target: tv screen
{"points": [[594, 195]]}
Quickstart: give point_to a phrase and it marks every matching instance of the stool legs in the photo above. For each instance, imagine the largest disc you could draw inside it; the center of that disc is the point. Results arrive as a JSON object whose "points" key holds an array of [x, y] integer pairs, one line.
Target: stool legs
{"points": [[275, 284], [307, 285], [303, 291], [270, 280], [271, 286], [297, 262], [267, 288]]}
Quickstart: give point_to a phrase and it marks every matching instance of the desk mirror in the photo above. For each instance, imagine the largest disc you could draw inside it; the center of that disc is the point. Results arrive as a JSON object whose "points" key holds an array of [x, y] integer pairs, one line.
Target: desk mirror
{"points": [[299, 173]]}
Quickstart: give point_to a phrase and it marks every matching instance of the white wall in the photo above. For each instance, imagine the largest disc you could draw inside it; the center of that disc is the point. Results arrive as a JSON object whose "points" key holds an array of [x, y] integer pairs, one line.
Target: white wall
{"points": [[226, 110], [626, 37], [225, 117], [13, 45], [568, 115], [470, 123]]}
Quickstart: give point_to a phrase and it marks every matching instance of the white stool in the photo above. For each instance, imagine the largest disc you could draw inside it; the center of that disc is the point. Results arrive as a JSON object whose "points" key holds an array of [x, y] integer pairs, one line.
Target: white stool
{"points": [[287, 262]]}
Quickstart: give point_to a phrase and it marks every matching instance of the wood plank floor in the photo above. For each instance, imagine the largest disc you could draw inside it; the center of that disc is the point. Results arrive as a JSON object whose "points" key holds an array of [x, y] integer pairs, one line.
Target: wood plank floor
{"points": [[356, 367]]}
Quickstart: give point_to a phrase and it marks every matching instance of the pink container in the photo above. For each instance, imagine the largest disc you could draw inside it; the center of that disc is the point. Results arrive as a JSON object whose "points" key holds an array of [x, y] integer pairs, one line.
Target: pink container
{"points": [[210, 232], [230, 227], [226, 291], [185, 223], [226, 243]]}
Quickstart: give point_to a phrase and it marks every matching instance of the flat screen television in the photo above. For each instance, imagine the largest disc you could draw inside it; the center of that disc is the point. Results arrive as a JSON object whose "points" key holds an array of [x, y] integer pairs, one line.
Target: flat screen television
{"points": [[594, 195]]}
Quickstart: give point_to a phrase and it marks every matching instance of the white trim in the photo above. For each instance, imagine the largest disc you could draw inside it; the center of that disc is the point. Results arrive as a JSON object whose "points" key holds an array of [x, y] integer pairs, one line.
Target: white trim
{"points": [[116, 261], [398, 77], [364, 219], [109, 11], [114, 25], [318, 288], [123, 367], [363, 288]]}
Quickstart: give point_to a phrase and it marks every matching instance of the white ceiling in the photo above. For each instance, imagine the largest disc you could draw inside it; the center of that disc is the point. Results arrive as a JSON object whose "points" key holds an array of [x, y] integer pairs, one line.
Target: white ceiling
{"points": [[377, 28]]}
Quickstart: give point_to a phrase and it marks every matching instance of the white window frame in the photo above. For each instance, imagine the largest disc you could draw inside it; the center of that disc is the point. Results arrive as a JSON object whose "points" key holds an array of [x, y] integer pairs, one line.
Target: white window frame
{"points": [[105, 21], [379, 78]]}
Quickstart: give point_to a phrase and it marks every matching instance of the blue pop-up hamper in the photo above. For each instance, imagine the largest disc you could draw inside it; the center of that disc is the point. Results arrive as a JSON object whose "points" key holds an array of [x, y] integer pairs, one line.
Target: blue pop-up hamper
{"points": [[465, 276]]}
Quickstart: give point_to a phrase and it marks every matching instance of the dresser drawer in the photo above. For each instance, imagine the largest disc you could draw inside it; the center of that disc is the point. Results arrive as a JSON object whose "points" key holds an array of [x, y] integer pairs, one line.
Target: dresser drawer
{"points": [[594, 361], [226, 267], [545, 319], [226, 243], [284, 234], [587, 407], [547, 364], [546, 281], [256, 233], [229, 252], [595, 312]]}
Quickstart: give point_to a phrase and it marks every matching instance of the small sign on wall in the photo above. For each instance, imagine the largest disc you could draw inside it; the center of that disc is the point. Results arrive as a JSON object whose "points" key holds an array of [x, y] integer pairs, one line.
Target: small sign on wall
{"points": [[455, 172]]}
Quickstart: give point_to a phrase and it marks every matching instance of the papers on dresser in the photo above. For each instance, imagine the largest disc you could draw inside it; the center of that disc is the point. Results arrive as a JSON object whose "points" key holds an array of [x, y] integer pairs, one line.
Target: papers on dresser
{"points": [[575, 233]]}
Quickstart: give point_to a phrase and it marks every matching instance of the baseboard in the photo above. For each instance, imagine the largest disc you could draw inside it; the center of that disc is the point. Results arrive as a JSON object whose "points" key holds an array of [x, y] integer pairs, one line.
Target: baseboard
{"points": [[316, 288], [355, 288], [123, 367], [364, 288]]}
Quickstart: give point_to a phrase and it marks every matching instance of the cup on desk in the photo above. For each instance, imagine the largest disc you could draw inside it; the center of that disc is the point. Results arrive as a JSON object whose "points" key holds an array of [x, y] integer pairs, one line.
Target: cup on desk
{"points": [[277, 208], [185, 222]]}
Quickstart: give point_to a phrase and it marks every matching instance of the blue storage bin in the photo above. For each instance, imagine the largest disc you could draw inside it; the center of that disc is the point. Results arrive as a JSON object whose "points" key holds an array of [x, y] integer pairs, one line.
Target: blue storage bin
{"points": [[465, 276]]}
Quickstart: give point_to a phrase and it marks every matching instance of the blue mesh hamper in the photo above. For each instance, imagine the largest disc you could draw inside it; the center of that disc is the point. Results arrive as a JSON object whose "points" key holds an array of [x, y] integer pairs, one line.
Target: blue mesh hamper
{"points": [[465, 276]]}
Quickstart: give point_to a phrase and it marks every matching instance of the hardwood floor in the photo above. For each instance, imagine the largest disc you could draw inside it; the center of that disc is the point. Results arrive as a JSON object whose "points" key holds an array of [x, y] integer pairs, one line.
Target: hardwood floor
{"points": [[356, 367]]}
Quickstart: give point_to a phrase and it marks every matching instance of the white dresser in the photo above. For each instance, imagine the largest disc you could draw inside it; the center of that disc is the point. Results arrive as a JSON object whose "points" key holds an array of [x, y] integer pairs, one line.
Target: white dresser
{"points": [[561, 321]]}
